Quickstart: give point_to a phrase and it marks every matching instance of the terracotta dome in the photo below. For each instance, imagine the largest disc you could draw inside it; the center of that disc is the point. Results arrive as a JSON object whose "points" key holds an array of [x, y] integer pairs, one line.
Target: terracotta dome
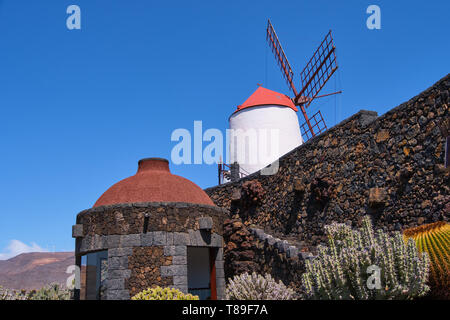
{"points": [[153, 182]]}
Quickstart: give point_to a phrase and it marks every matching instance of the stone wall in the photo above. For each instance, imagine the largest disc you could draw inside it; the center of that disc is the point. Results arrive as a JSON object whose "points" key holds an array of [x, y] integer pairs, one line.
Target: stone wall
{"points": [[145, 266], [147, 243], [389, 167], [133, 218], [252, 250]]}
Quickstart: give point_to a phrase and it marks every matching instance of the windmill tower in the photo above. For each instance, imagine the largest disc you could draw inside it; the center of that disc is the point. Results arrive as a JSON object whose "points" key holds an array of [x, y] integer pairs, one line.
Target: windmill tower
{"points": [[272, 116]]}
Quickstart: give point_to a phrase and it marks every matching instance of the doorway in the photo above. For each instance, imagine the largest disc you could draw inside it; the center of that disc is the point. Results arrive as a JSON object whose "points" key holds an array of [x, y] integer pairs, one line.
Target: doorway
{"points": [[202, 272]]}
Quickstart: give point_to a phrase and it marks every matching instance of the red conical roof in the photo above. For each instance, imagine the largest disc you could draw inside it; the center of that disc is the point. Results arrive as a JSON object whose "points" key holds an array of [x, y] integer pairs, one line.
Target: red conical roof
{"points": [[153, 182], [263, 96]]}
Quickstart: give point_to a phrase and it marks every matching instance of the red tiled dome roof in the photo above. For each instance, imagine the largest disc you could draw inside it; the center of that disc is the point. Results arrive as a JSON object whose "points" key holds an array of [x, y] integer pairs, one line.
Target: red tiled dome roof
{"points": [[153, 182], [263, 96]]}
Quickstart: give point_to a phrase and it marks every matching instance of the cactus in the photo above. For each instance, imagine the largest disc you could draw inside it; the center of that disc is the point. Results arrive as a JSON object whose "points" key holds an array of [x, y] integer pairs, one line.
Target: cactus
{"points": [[159, 293], [50, 292], [341, 270], [257, 287], [434, 238]]}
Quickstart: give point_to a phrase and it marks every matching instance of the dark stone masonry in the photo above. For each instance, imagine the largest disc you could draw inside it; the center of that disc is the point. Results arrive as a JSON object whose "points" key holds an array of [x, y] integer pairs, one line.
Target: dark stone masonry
{"points": [[147, 244], [390, 167]]}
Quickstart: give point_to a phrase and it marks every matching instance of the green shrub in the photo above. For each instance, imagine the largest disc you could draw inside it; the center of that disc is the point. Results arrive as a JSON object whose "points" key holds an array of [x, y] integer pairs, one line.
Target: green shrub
{"points": [[340, 271], [257, 287], [159, 293]]}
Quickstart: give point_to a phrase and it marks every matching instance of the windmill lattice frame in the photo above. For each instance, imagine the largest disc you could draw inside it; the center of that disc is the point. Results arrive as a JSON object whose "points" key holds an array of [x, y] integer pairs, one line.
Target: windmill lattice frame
{"points": [[317, 72]]}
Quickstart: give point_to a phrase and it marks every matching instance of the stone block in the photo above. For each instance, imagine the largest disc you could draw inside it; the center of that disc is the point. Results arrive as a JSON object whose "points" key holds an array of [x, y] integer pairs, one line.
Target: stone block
{"points": [[77, 231], [130, 240], [118, 263], [117, 295], [169, 238], [85, 244], [169, 250], [219, 255], [119, 274], [220, 273], [258, 232], [219, 264], [147, 239], [205, 223], [305, 255], [216, 240], [282, 246], [180, 280], [179, 260], [166, 271], [270, 240], [292, 252], [178, 270], [160, 238], [220, 281], [181, 238], [120, 252], [180, 251], [113, 241], [115, 284]]}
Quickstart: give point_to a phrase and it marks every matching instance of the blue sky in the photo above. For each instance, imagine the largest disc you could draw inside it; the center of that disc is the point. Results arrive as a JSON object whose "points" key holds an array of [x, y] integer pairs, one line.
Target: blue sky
{"points": [[79, 108]]}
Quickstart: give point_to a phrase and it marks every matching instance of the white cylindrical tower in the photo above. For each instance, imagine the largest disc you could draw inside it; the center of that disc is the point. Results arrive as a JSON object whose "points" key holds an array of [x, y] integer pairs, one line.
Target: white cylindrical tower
{"points": [[262, 129]]}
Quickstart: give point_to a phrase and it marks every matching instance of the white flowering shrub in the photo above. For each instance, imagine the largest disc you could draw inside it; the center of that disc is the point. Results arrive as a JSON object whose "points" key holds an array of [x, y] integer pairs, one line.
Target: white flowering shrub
{"points": [[340, 270], [257, 287]]}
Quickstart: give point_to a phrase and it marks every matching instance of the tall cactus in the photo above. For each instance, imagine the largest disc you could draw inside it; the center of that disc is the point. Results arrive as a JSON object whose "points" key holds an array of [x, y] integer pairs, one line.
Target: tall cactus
{"points": [[434, 238], [342, 270]]}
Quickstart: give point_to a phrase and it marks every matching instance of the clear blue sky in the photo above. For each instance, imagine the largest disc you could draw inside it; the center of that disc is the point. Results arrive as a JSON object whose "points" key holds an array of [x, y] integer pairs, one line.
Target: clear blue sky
{"points": [[79, 108]]}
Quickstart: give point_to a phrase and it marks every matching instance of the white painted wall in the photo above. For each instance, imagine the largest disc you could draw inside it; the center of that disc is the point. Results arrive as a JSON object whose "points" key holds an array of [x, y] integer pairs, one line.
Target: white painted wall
{"points": [[270, 118]]}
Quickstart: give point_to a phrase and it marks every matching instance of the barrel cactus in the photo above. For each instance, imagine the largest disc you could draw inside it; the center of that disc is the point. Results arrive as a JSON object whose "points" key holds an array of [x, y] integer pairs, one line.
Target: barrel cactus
{"points": [[159, 293], [353, 259], [434, 238], [256, 287]]}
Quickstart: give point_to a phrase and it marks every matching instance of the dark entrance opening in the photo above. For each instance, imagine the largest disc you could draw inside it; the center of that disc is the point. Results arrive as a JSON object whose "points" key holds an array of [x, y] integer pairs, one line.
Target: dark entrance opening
{"points": [[202, 272]]}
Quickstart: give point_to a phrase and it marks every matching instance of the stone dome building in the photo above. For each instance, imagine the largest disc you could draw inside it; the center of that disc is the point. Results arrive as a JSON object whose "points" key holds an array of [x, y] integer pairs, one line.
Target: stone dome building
{"points": [[153, 228]]}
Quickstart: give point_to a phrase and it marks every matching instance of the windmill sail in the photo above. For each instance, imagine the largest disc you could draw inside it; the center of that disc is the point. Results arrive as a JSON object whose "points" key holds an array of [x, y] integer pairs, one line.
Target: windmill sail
{"points": [[282, 60], [318, 71]]}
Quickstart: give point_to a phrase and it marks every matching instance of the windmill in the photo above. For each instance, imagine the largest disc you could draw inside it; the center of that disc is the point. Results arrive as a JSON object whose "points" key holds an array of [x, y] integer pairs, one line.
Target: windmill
{"points": [[314, 76]]}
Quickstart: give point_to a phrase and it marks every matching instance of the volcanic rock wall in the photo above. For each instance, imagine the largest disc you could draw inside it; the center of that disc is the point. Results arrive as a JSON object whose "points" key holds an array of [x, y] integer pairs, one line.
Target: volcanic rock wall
{"points": [[390, 167]]}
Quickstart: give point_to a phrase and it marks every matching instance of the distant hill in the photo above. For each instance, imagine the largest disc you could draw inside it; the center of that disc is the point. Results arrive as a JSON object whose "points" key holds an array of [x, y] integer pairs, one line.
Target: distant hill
{"points": [[35, 270]]}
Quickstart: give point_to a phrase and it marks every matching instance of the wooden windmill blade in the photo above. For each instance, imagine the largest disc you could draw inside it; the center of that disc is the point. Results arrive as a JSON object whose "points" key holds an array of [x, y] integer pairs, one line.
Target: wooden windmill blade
{"points": [[282, 60], [285, 67], [317, 71]]}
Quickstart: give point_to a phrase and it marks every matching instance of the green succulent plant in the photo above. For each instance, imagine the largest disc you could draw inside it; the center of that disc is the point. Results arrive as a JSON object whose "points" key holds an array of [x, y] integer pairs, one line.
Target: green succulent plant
{"points": [[159, 293]]}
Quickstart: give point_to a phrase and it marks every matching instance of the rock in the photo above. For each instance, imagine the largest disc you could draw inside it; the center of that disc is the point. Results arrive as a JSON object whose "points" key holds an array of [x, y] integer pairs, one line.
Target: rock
{"points": [[236, 195], [377, 197], [381, 136], [298, 186]]}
